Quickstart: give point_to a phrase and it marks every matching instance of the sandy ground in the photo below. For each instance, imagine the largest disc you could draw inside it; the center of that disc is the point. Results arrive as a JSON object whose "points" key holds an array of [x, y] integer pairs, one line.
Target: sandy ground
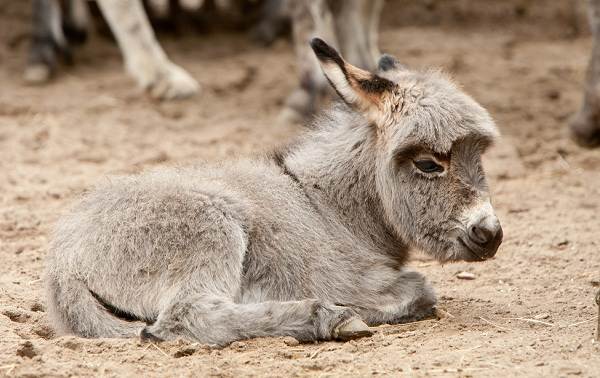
{"points": [[528, 312]]}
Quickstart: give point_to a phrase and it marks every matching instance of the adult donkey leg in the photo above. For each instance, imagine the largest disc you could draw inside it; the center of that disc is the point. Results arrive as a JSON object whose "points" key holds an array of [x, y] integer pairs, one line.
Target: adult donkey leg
{"points": [[372, 14], [356, 24], [144, 58], [47, 39], [76, 20], [585, 126], [310, 18]]}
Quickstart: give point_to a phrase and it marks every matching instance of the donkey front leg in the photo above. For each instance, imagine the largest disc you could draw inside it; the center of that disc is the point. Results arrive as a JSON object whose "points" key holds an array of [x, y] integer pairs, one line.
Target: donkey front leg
{"points": [[217, 320], [144, 58], [208, 276], [410, 299]]}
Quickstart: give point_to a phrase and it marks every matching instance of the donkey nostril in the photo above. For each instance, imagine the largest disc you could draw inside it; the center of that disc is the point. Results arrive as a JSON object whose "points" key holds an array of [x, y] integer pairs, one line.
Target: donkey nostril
{"points": [[481, 235], [484, 236]]}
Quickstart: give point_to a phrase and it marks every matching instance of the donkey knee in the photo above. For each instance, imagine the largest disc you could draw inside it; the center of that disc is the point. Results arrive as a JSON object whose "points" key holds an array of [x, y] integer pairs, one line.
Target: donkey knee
{"points": [[419, 297]]}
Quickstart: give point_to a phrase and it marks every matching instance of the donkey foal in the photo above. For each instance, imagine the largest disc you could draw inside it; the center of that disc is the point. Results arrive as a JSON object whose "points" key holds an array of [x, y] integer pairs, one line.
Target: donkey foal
{"points": [[309, 243]]}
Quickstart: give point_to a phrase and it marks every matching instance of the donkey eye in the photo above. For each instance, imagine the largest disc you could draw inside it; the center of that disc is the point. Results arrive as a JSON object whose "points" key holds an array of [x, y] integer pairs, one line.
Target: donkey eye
{"points": [[428, 166]]}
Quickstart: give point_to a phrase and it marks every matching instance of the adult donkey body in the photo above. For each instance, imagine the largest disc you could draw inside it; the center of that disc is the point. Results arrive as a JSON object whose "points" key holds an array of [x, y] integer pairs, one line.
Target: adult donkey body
{"points": [[309, 243]]}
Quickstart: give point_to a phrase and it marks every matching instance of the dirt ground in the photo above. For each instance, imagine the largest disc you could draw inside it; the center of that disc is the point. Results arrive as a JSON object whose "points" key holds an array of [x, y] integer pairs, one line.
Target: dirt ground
{"points": [[528, 312]]}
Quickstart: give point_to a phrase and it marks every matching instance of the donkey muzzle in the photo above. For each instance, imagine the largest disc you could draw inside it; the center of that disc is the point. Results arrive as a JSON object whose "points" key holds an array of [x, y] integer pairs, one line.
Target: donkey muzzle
{"points": [[483, 234]]}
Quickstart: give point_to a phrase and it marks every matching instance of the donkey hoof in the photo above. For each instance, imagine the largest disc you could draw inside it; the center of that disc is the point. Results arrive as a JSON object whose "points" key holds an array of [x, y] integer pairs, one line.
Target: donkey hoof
{"points": [[352, 329], [147, 336], [173, 82], [584, 130], [37, 74]]}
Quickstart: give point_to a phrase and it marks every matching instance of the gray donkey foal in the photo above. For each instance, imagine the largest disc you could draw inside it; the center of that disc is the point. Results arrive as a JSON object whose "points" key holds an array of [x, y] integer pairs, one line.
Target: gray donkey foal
{"points": [[310, 243]]}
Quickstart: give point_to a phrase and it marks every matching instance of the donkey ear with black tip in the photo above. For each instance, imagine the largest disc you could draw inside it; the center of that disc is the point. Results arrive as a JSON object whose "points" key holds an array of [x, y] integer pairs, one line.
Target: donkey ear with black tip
{"points": [[358, 88]]}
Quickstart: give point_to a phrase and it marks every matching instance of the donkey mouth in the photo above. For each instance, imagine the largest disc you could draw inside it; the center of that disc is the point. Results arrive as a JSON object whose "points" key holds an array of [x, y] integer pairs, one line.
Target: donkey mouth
{"points": [[472, 254]]}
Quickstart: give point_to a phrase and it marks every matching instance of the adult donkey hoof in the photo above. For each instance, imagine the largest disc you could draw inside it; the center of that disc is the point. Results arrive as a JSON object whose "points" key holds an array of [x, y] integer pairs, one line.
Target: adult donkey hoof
{"points": [[37, 74], [173, 82], [352, 329], [584, 130], [163, 80]]}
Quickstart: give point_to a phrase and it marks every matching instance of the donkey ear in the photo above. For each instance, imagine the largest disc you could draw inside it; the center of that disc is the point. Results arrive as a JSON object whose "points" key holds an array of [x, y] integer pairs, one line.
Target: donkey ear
{"points": [[359, 88], [389, 63]]}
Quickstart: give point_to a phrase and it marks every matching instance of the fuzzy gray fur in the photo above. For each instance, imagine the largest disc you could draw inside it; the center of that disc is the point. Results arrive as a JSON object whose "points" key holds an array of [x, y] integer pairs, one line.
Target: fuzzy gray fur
{"points": [[298, 244]]}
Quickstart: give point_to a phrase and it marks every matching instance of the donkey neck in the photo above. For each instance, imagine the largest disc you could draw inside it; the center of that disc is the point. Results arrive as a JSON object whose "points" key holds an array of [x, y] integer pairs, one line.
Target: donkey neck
{"points": [[336, 165]]}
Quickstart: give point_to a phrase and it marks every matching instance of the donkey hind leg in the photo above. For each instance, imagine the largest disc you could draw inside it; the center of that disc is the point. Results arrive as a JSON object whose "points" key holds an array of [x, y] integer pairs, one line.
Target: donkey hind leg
{"points": [[310, 18], [372, 14], [410, 299], [217, 320], [351, 27], [47, 39], [144, 58], [356, 25]]}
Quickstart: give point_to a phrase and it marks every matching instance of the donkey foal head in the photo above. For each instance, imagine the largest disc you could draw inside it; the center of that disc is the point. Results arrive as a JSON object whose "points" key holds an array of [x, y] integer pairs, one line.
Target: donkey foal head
{"points": [[429, 138]]}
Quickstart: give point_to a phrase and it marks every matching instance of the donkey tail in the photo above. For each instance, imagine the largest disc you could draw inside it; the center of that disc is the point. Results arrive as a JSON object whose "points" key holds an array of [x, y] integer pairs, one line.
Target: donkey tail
{"points": [[73, 308]]}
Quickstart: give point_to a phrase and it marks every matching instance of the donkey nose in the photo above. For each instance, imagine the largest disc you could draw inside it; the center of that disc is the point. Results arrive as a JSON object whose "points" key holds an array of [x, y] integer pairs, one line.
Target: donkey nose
{"points": [[486, 234]]}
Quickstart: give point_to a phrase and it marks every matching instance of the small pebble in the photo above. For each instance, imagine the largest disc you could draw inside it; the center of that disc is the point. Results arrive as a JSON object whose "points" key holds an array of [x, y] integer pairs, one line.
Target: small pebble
{"points": [[26, 350], [290, 341], [595, 282], [186, 351], [541, 316], [553, 94], [240, 345], [465, 276], [37, 307]]}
